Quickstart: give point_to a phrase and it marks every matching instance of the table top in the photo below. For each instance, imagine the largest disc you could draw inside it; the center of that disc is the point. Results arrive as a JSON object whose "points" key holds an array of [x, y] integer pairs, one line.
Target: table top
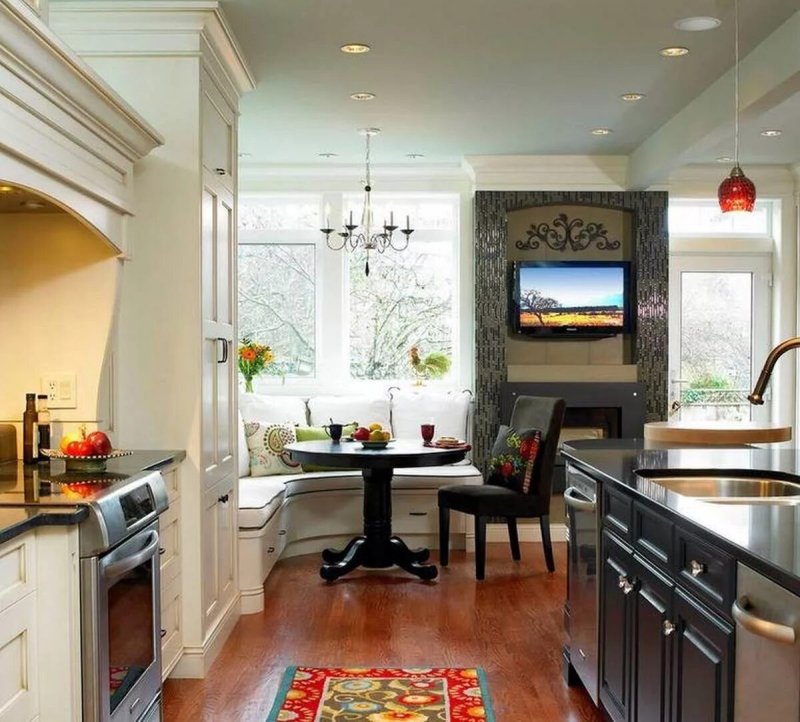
{"points": [[400, 453]]}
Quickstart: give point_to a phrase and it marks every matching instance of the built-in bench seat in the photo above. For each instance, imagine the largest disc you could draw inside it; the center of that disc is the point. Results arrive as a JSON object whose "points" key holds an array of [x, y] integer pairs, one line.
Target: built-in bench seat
{"points": [[291, 514]]}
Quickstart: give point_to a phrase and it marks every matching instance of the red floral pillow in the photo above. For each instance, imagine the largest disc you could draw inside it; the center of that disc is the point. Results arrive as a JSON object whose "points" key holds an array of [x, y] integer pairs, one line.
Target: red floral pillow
{"points": [[513, 459]]}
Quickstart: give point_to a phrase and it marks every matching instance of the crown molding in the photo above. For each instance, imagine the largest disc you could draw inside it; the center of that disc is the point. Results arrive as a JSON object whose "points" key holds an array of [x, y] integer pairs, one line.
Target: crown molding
{"points": [[147, 28], [547, 172]]}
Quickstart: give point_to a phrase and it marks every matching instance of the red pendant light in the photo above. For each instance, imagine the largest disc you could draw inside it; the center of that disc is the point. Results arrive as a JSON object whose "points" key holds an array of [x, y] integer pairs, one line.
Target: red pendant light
{"points": [[737, 192]]}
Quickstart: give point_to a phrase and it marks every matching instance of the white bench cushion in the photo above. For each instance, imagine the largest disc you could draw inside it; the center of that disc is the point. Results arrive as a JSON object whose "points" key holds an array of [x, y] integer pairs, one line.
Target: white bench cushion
{"points": [[273, 409], [259, 498], [447, 411], [344, 409]]}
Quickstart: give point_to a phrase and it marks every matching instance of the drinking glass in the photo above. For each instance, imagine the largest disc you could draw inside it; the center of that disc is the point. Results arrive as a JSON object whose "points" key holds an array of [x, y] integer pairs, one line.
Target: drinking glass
{"points": [[427, 432]]}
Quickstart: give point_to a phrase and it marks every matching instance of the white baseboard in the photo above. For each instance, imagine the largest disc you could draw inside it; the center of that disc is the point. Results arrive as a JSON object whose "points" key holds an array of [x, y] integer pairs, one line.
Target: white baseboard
{"points": [[196, 661]]}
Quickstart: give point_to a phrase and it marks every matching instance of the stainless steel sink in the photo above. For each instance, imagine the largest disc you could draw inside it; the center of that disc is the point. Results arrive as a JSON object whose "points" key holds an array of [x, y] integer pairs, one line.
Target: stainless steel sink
{"points": [[729, 489]]}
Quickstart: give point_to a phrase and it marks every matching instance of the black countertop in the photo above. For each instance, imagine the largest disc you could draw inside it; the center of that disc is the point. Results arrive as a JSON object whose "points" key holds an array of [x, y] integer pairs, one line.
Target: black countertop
{"points": [[46, 494], [764, 536]]}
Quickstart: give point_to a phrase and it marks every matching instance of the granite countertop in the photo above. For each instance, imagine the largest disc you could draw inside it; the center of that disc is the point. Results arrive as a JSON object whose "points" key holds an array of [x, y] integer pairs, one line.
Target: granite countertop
{"points": [[764, 536], [34, 495]]}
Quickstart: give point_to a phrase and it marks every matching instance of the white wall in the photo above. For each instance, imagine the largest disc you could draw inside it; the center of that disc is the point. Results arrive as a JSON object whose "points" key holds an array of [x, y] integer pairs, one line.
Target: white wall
{"points": [[58, 286]]}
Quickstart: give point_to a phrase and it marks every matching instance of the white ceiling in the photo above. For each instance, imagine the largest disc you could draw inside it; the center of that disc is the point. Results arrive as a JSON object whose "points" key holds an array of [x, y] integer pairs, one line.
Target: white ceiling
{"points": [[488, 77]]}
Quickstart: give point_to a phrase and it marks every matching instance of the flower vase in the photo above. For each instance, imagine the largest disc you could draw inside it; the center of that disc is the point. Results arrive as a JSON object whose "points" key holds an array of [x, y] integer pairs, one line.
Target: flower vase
{"points": [[248, 385]]}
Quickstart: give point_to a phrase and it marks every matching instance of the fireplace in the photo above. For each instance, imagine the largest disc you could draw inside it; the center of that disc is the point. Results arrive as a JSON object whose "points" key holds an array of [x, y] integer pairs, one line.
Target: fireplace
{"points": [[594, 411]]}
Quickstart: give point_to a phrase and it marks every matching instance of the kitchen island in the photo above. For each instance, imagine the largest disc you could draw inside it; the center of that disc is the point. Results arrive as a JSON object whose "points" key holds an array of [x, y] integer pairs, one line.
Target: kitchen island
{"points": [[668, 595]]}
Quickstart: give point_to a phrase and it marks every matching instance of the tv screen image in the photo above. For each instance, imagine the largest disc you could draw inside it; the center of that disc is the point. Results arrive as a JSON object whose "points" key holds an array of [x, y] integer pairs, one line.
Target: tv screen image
{"points": [[571, 296]]}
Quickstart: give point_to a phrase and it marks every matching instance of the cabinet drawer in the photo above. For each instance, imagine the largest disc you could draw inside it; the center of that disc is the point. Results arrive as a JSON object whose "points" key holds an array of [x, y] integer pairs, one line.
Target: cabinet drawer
{"points": [[17, 569], [171, 480], [705, 570], [171, 627], [170, 543], [415, 513], [617, 512], [652, 535]]}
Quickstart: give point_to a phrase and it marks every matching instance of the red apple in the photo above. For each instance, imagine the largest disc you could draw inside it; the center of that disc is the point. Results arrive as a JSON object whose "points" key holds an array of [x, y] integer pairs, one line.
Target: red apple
{"points": [[100, 443], [79, 448], [361, 434]]}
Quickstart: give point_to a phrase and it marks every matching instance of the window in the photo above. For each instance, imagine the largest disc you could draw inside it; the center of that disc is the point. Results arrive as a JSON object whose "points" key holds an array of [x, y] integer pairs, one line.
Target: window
{"points": [[328, 323], [704, 218]]}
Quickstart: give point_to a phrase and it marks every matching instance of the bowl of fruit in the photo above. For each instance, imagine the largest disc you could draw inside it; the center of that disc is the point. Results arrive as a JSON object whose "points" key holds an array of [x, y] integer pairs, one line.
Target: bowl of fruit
{"points": [[373, 436], [85, 452]]}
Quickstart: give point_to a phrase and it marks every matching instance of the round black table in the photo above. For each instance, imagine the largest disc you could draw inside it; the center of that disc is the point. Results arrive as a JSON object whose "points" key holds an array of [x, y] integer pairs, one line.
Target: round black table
{"points": [[377, 548]]}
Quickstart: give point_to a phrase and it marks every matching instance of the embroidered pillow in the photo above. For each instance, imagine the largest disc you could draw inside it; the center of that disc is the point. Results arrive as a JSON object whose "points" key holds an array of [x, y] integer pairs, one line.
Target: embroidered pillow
{"points": [[265, 444], [513, 459]]}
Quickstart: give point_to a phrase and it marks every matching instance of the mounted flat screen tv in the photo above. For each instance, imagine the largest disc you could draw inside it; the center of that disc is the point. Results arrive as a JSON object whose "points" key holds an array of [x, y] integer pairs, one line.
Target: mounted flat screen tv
{"points": [[571, 298]]}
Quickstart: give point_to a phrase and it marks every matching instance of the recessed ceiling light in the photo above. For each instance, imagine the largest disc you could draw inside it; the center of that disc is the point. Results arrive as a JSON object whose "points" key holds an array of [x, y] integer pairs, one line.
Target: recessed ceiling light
{"points": [[632, 97], [328, 155], [602, 131], [725, 159], [698, 24], [771, 133], [674, 52], [7, 189], [369, 131], [364, 95], [355, 48], [414, 156]]}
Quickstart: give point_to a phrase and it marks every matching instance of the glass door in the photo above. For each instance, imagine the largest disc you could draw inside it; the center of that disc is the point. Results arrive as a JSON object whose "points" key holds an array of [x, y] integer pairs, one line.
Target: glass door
{"points": [[720, 312]]}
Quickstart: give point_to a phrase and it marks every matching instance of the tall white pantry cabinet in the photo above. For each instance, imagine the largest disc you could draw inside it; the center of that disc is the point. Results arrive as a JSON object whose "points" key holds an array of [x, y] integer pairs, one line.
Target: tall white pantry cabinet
{"points": [[175, 364]]}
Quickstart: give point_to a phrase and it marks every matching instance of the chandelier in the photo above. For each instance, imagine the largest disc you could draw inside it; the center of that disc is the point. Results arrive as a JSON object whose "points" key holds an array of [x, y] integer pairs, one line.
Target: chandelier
{"points": [[365, 235], [736, 192]]}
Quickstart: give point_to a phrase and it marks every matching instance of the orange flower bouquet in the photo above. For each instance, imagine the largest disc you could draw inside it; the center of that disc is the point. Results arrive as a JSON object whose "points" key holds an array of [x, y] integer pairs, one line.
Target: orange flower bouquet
{"points": [[253, 359]]}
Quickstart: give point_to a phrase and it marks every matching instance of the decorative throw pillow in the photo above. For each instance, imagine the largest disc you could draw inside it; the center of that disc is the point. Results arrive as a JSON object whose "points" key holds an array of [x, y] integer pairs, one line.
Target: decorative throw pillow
{"points": [[265, 443], [317, 433], [513, 459]]}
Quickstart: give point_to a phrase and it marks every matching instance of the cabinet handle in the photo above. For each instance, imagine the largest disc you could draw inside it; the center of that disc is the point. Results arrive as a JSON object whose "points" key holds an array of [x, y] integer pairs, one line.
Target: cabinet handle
{"points": [[624, 584], [578, 504], [163, 633], [224, 499], [669, 627], [418, 513], [224, 343], [161, 551], [270, 550], [220, 171], [697, 568], [762, 627], [282, 532]]}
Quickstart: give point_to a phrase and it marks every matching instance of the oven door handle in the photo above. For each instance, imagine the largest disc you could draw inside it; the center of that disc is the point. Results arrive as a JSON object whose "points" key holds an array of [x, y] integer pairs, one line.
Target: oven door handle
{"points": [[578, 504], [124, 565]]}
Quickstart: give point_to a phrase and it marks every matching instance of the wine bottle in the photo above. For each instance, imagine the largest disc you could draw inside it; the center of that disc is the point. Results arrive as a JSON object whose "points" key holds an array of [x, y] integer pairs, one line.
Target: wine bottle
{"points": [[30, 435], [43, 420]]}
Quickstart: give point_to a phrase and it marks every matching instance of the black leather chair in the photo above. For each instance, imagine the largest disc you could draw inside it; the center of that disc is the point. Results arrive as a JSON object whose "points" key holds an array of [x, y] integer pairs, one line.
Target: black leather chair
{"points": [[487, 500]]}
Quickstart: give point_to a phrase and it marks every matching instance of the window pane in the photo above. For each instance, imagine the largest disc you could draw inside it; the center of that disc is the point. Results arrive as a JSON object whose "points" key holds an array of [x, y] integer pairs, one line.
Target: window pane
{"points": [[716, 343], [279, 213], [407, 300], [425, 213], [705, 218], [277, 302]]}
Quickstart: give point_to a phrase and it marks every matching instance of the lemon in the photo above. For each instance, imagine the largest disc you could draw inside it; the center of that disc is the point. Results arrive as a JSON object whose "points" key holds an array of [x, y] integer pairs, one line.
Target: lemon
{"points": [[376, 435], [375, 427], [385, 436]]}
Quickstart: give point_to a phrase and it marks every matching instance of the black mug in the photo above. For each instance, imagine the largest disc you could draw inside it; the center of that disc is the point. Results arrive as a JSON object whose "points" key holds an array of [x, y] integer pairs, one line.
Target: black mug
{"points": [[334, 431]]}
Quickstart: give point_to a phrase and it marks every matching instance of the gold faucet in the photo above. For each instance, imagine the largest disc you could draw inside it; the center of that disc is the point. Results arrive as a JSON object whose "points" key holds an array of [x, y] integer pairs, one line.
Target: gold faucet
{"points": [[757, 397]]}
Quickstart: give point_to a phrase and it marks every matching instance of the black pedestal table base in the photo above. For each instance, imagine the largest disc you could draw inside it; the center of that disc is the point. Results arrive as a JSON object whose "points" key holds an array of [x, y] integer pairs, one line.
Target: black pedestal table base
{"points": [[377, 548]]}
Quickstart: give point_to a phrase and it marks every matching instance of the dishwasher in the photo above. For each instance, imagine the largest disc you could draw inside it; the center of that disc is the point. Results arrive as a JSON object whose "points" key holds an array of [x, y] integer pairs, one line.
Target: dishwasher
{"points": [[582, 608], [767, 681]]}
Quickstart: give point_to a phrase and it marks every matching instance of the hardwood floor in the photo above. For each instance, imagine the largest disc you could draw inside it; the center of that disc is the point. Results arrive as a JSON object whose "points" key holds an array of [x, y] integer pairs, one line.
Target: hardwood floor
{"points": [[510, 624]]}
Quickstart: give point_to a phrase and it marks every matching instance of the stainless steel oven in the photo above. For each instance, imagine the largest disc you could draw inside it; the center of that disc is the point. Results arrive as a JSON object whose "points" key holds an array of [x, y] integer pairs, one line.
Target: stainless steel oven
{"points": [[120, 604], [582, 607]]}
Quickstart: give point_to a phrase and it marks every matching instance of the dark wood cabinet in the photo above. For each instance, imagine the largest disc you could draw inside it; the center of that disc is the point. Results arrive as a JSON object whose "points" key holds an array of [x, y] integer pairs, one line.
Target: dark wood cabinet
{"points": [[702, 664]]}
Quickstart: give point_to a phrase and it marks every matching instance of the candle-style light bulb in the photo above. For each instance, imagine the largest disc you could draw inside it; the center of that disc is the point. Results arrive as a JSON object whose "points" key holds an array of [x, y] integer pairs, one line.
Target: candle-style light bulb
{"points": [[408, 223], [327, 215]]}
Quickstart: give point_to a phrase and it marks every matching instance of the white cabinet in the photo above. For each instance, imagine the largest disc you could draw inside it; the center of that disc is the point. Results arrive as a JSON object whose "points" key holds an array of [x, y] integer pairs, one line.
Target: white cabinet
{"points": [[220, 579], [171, 556], [218, 134], [19, 684]]}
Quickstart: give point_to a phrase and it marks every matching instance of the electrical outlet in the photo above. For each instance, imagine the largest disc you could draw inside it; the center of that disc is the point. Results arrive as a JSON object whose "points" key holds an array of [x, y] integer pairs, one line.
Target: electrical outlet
{"points": [[61, 390]]}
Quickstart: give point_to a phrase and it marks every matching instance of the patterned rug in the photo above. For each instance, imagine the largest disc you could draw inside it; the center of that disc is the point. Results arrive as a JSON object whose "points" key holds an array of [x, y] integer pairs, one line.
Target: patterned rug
{"points": [[350, 694]]}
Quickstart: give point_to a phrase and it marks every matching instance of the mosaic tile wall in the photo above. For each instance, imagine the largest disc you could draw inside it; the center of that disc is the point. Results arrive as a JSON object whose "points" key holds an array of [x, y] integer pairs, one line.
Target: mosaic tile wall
{"points": [[491, 312]]}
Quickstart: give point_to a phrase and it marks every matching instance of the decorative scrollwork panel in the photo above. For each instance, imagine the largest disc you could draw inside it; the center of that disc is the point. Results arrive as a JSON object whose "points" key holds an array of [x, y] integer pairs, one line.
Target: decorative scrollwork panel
{"points": [[563, 233]]}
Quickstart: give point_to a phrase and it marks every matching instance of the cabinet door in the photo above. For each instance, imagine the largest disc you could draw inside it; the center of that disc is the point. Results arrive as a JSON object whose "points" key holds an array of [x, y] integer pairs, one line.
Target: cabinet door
{"points": [[652, 650], [218, 133], [701, 664], [219, 359], [615, 628], [219, 550], [19, 688]]}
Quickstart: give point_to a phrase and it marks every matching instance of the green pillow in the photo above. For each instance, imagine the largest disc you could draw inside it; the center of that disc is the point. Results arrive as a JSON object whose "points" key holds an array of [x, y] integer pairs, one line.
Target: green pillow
{"points": [[317, 433]]}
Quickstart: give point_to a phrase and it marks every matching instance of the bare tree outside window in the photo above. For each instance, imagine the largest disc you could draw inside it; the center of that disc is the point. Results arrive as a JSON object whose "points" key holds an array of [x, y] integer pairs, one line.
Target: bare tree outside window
{"points": [[277, 303]]}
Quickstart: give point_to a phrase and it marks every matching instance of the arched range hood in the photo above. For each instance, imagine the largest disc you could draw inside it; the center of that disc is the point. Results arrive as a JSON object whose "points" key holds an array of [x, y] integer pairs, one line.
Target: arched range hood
{"points": [[65, 133]]}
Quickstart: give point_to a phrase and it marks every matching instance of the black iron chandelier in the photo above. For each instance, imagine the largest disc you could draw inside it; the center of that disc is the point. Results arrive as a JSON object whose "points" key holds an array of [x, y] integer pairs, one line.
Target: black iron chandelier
{"points": [[365, 235]]}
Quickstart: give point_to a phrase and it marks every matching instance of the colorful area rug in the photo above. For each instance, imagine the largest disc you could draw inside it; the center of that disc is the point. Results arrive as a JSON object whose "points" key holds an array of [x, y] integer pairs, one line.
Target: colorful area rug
{"points": [[350, 694]]}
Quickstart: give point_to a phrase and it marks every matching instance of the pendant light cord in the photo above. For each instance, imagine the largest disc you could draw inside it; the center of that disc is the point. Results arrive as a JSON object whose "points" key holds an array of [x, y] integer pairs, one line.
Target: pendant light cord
{"points": [[736, 83]]}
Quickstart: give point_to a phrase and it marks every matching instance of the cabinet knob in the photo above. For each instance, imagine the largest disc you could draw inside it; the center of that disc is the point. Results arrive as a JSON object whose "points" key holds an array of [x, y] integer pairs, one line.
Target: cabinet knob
{"points": [[224, 499], [270, 550], [220, 171], [163, 633], [282, 532], [161, 551], [696, 567], [669, 627], [624, 584]]}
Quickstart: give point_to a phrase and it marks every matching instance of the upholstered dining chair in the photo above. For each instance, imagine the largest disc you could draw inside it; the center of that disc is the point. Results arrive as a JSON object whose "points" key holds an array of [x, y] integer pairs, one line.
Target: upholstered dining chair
{"points": [[496, 498]]}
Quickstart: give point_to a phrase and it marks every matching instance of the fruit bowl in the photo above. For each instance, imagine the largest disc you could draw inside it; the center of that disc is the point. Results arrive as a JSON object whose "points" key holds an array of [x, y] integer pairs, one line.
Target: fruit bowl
{"points": [[85, 463], [376, 444]]}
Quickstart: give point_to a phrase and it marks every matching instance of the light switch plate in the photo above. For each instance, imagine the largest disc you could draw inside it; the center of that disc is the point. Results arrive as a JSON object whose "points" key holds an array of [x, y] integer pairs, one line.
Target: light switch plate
{"points": [[61, 390]]}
